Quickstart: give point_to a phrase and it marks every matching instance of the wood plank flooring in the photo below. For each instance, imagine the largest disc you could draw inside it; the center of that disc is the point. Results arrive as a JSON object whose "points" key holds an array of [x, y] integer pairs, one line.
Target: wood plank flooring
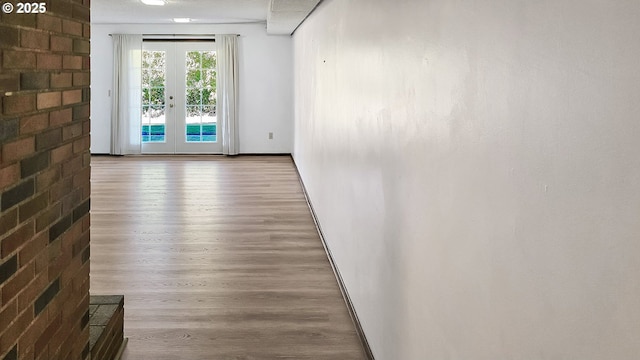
{"points": [[218, 258]]}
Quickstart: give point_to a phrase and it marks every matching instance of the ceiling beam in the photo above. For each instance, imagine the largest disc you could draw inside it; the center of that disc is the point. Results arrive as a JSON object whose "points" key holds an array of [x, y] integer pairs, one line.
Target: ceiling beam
{"points": [[284, 16]]}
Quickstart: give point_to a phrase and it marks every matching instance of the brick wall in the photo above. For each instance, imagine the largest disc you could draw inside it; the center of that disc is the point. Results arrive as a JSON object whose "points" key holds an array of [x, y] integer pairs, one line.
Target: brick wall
{"points": [[44, 182]]}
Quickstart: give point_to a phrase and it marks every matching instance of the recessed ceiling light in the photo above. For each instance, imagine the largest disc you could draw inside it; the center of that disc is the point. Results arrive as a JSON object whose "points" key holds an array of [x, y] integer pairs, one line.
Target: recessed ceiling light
{"points": [[181, 20], [153, 2]]}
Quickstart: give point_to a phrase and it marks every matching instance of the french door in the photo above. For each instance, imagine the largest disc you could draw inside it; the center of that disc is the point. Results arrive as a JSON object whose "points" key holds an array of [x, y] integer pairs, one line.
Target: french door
{"points": [[179, 98]]}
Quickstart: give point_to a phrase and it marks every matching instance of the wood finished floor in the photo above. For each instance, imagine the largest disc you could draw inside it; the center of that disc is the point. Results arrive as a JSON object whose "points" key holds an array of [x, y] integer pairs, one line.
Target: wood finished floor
{"points": [[217, 258]]}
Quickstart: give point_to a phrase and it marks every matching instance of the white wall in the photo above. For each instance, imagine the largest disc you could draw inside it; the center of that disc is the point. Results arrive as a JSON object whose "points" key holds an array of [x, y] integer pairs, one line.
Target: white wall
{"points": [[265, 83], [475, 166]]}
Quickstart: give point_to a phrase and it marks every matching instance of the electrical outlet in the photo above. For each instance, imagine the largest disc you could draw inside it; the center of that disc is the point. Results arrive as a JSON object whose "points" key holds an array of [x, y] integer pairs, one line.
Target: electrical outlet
{"points": [[270, 136]]}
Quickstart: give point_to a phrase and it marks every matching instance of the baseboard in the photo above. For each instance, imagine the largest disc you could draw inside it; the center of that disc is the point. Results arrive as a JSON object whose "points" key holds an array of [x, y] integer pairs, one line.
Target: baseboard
{"points": [[336, 272], [264, 154], [243, 154]]}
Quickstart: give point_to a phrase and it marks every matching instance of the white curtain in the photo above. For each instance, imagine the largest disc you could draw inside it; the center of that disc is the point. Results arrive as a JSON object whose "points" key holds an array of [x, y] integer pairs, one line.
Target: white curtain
{"points": [[127, 94], [228, 92]]}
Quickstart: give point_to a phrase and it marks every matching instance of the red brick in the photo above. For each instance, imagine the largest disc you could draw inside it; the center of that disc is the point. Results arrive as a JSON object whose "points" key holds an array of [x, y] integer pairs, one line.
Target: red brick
{"points": [[49, 100], [72, 166], [70, 237], [86, 63], [86, 94], [70, 271], [81, 112], [57, 343], [51, 138], [9, 37], [60, 117], [33, 248], [26, 353], [57, 264], [19, 104], [34, 39], [9, 337], [12, 287], [8, 221], [35, 330], [48, 333], [86, 222], [61, 80], [62, 8], [81, 145], [61, 189], [86, 157], [9, 82], [18, 59], [48, 217], [82, 341], [82, 177], [9, 175], [24, 20], [71, 200], [71, 27], [47, 178], [82, 243], [61, 153], [72, 62], [71, 97], [78, 304], [81, 46], [71, 131], [34, 81], [86, 191], [49, 61], [34, 206], [53, 251], [34, 123], [18, 238], [45, 356], [18, 149], [62, 44], [86, 31], [7, 315], [81, 79], [81, 13], [86, 188], [74, 332], [67, 349], [81, 281], [51, 23], [42, 261]]}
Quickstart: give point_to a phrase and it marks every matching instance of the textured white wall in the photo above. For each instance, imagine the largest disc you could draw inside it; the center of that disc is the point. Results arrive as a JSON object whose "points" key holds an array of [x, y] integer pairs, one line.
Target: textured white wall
{"points": [[475, 166], [266, 85]]}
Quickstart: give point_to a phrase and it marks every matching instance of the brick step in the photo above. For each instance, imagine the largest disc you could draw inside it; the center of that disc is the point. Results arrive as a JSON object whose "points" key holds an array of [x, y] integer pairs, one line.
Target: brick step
{"points": [[106, 325]]}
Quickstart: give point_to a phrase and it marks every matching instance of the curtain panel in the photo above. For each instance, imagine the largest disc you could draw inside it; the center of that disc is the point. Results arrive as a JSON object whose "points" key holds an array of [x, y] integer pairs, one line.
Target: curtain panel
{"points": [[126, 94], [228, 92]]}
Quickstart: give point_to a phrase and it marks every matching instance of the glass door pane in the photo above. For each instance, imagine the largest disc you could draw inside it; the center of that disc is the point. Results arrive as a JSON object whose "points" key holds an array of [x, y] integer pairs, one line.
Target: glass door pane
{"points": [[201, 96], [200, 127], [154, 72], [158, 87]]}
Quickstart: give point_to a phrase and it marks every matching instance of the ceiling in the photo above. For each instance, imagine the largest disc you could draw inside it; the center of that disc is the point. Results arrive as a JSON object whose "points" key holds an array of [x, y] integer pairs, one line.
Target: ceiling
{"points": [[281, 16]]}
